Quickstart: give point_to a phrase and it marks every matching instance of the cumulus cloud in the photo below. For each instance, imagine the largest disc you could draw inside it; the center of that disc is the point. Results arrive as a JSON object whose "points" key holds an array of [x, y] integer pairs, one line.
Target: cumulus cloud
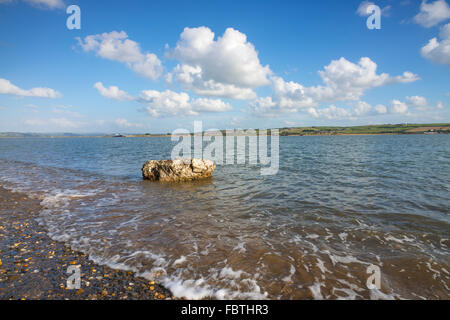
{"points": [[266, 107], [417, 102], [439, 52], [398, 107], [432, 13], [359, 109], [226, 67], [210, 105], [346, 80], [191, 78], [363, 6], [343, 81], [421, 103], [166, 103], [6, 87], [170, 103], [380, 109], [112, 92], [330, 113], [362, 108], [116, 46]]}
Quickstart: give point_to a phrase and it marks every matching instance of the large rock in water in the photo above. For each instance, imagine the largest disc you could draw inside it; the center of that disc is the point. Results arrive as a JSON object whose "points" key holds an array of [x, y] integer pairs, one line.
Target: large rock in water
{"points": [[178, 170]]}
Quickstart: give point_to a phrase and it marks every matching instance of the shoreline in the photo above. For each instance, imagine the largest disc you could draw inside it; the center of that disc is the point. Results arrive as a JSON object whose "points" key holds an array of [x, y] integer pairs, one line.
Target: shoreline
{"points": [[33, 266], [234, 135]]}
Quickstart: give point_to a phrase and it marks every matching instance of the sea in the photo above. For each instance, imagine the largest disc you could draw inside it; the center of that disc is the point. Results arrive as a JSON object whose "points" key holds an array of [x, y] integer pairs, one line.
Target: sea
{"points": [[344, 217]]}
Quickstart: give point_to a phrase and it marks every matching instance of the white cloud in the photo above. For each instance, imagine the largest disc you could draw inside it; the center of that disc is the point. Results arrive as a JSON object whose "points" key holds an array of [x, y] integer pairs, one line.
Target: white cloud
{"points": [[397, 106], [116, 46], [2, 108], [344, 81], [380, 109], [418, 102], [6, 87], [191, 78], [291, 96], [166, 103], [43, 4], [47, 4], [210, 105], [170, 103], [226, 67], [126, 124], [331, 113], [432, 13], [362, 9], [112, 92], [266, 107], [439, 52], [362, 108], [421, 103]]}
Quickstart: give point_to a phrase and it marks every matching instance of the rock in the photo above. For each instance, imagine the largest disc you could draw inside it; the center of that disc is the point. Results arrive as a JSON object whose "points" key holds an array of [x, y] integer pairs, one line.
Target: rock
{"points": [[178, 170]]}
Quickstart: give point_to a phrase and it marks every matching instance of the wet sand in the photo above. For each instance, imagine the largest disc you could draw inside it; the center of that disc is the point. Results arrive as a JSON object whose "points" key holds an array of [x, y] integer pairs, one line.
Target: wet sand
{"points": [[33, 266]]}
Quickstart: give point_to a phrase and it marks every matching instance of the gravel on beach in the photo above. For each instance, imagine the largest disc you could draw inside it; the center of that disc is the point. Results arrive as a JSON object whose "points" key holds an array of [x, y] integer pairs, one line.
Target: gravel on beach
{"points": [[33, 266]]}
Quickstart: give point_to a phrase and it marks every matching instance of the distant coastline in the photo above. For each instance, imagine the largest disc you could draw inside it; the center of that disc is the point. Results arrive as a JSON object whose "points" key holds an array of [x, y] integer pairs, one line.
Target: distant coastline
{"points": [[387, 129]]}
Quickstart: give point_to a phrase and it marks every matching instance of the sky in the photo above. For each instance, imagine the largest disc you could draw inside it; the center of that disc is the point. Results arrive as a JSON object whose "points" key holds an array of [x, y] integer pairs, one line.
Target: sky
{"points": [[157, 66]]}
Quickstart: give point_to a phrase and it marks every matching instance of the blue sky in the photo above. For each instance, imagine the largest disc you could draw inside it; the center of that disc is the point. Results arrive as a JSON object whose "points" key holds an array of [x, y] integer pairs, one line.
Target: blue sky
{"points": [[155, 66]]}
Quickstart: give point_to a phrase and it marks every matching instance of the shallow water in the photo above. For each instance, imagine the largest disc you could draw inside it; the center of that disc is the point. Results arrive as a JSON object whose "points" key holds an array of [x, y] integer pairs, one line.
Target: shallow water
{"points": [[336, 206]]}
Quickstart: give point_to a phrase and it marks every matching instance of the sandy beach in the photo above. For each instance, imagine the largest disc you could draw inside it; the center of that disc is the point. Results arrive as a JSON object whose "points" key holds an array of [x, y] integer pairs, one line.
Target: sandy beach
{"points": [[33, 266]]}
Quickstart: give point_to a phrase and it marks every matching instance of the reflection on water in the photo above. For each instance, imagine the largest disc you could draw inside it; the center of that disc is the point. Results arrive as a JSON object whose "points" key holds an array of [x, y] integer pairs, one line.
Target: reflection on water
{"points": [[337, 205]]}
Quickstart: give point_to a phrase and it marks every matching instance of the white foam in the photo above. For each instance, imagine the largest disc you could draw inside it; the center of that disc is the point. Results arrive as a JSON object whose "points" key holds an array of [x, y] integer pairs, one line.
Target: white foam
{"points": [[229, 273], [240, 247], [405, 239], [315, 290], [346, 259], [291, 273], [376, 294], [187, 289], [179, 261], [343, 236], [321, 266]]}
